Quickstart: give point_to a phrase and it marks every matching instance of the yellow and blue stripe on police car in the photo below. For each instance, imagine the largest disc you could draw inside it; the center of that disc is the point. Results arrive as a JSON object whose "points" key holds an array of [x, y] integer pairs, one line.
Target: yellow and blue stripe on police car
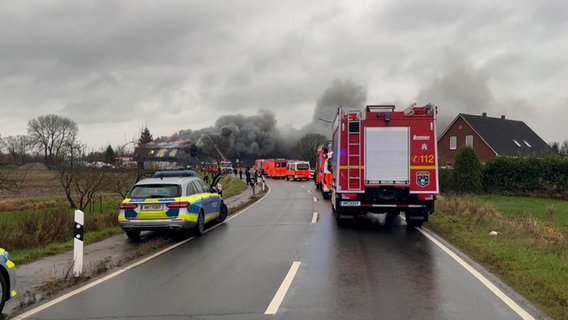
{"points": [[157, 208]]}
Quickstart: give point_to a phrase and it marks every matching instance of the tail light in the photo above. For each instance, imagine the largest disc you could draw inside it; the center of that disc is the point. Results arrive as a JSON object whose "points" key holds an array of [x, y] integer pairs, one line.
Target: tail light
{"points": [[349, 196], [178, 205], [124, 206]]}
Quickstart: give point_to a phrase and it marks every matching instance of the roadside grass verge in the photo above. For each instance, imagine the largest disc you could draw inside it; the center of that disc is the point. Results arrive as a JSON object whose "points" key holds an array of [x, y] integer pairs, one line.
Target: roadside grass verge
{"points": [[35, 227], [57, 282], [232, 186], [529, 251]]}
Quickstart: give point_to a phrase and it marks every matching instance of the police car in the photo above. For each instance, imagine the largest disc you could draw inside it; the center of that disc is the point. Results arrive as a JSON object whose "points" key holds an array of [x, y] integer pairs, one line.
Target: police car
{"points": [[7, 278], [170, 200]]}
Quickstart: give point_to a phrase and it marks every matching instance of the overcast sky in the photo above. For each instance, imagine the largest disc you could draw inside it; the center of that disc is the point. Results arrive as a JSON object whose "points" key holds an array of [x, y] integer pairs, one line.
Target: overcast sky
{"points": [[114, 67]]}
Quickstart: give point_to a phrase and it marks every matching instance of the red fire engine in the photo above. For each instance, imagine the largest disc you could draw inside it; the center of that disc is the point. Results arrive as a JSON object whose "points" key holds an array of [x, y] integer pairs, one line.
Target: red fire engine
{"points": [[385, 161], [322, 173], [261, 165], [277, 168]]}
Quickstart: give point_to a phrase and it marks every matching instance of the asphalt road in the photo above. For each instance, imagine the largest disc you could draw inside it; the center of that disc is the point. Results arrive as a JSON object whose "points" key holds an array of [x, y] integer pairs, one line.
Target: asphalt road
{"points": [[284, 258]]}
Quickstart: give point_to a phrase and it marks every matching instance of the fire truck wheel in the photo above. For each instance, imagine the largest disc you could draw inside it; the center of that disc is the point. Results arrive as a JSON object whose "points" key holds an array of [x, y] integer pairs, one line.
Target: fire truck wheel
{"points": [[390, 219], [340, 221], [413, 224]]}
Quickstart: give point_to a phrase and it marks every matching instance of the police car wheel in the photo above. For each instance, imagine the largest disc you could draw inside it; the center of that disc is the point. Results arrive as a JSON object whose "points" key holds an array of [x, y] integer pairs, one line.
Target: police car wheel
{"points": [[3, 291], [200, 227], [133, 234], [222, 213]]}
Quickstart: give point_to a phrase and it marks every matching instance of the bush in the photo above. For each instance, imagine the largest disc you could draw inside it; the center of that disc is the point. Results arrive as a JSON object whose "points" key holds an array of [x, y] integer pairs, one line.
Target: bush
{"points": [[527, 176], [466, 175]]}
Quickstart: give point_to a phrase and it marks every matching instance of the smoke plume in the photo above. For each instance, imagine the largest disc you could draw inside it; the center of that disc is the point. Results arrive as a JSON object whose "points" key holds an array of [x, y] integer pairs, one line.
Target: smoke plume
{"points": [[251, 137], [341, 93]]}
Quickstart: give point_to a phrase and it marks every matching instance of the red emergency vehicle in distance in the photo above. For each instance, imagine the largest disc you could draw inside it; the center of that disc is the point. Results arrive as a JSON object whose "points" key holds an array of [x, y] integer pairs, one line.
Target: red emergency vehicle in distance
{"points": [[322, 178], [261, 165], [270, 168], [298, 170], [277, 168]]}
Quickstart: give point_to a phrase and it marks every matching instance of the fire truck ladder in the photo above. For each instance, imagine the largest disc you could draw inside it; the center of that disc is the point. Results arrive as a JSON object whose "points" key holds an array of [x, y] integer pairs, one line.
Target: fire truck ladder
{"points": [[354, 152]]}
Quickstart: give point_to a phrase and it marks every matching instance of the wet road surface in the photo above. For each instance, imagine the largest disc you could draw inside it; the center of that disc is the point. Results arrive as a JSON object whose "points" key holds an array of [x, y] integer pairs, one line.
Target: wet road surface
{"points": [[235, 271]]}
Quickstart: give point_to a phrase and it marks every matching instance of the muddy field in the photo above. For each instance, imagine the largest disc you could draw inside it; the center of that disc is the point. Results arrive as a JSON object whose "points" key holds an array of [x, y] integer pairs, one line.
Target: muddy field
{"points": [[30, 181]]}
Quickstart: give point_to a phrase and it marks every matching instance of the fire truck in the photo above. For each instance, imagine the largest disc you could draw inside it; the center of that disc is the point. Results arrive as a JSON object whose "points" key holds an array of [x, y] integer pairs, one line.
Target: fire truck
{"points": [[384, 161], [261, 165], [277, 168], [322, 174]]}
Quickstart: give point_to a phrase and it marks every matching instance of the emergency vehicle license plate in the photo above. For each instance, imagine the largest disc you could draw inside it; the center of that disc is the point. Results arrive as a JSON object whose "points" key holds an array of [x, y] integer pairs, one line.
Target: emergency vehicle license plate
{"points": [[152, 207], [350, 203]]}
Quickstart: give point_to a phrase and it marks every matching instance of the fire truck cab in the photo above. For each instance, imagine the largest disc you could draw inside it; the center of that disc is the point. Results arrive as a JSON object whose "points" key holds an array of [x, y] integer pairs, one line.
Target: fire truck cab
{"points": [[384, 161]]}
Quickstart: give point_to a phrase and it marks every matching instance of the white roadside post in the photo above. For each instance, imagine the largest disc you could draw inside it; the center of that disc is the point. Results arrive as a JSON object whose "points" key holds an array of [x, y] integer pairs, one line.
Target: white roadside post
{"points": [[78, 243]]}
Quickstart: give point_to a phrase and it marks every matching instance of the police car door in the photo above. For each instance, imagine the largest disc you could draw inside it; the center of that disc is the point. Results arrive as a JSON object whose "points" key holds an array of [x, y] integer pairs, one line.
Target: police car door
{"points": [[210, 200]]}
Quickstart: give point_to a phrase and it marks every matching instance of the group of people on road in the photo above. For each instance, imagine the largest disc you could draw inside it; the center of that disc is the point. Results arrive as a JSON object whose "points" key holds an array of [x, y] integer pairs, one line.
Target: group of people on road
{"points": [[252, 176]]}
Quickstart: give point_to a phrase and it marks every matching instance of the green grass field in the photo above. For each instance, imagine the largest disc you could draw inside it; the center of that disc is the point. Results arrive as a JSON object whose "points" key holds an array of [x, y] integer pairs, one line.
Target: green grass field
{"points": [[529, 252]]}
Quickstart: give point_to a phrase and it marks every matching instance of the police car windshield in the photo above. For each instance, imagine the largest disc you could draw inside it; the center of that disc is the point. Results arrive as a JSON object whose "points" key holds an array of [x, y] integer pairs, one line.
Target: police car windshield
{"points": [[155, 191]]}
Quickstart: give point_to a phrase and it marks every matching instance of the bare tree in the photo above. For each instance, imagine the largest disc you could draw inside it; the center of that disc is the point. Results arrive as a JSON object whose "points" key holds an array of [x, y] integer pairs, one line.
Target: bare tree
{"points": [[50, 133], [66, 178], [67, 167], [122, 181], [18, 147], [306, 147], [87, 183]]}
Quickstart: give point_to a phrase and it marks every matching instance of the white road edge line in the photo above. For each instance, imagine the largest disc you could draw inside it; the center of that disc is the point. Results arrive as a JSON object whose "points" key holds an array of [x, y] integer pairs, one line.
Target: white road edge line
{"points": [[500, 294], [124, 269], [281, 293], [315, 217], [315, 199], [96, 282]]}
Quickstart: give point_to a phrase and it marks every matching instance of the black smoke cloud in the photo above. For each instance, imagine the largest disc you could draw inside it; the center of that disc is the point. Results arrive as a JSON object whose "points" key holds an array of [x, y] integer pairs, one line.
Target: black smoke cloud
{"points": [[237, 137], [462, 88], [251, 137], [341, 93]]}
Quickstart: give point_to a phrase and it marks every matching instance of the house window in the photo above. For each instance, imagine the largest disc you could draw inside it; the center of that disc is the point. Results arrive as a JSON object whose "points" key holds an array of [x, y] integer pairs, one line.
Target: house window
{"points": [[453, 143], [527, 144], [517, 143], [469, 141]]}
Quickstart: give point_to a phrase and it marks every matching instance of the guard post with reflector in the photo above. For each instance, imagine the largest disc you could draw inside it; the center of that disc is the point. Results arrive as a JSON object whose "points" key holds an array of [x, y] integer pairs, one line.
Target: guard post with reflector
{"points": [[78, 243]]}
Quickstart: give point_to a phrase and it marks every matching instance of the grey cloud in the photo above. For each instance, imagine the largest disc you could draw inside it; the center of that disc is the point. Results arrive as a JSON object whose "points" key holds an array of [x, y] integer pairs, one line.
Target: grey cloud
{"points": [[184, 64]]}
